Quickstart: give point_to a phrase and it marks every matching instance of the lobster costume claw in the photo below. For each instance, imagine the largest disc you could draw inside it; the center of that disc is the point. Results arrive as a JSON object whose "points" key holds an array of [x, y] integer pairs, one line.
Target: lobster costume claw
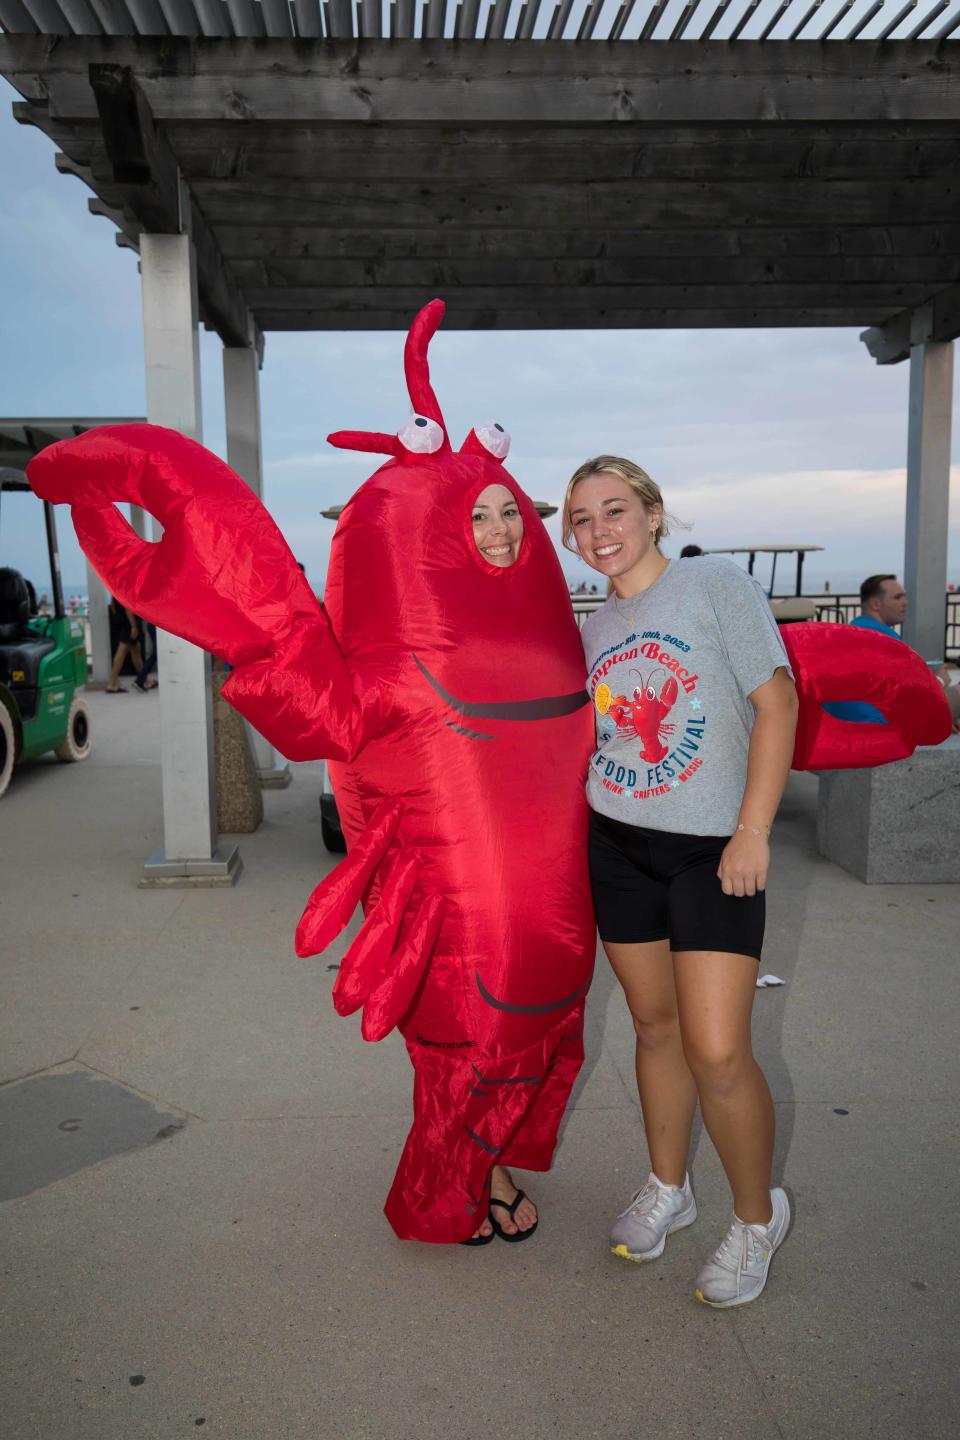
{"points": [[844, 662], [221, 576]]}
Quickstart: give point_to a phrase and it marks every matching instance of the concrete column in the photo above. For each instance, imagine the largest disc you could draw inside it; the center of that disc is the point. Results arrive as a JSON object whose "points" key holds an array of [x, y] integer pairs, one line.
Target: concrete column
{"points": [[191, 854], [98, 618], [928, 495], [241, 386], [138, 519]]}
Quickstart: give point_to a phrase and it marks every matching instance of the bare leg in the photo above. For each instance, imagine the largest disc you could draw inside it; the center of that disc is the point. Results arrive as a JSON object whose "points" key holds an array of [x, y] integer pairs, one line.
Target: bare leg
{"points": [[118, 660], [668, 1094], [715, 993]]}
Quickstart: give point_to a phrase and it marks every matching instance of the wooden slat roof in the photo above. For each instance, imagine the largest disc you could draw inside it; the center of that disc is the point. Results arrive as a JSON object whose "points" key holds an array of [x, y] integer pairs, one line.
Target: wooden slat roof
{"points": [[659, 179], [489, 19]]}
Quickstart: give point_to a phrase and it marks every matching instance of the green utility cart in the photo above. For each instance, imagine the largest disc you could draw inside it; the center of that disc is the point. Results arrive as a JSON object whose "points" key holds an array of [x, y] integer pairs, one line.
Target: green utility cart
{"points": [[43, 663]]}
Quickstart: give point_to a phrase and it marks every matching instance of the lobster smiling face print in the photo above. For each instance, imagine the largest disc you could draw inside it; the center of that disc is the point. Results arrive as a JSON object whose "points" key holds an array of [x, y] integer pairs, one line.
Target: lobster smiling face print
{"points": [[446, 689]]}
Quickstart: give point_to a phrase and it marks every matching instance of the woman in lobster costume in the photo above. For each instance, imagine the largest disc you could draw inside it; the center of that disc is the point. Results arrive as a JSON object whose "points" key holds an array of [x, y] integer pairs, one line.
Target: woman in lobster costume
{"points": [[447, 693]]}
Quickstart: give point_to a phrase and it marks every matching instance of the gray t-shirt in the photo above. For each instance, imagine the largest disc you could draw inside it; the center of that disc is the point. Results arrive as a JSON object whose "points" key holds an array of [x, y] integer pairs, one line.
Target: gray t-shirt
{"points": [[669, 672]]}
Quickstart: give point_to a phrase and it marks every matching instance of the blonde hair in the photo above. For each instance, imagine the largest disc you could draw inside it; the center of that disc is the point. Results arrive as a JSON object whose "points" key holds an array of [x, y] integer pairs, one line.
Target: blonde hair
{"points": [[646, 490]]}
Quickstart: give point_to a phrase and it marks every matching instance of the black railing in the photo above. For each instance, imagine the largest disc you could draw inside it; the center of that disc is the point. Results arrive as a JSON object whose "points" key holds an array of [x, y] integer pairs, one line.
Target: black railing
{"points": [[951, 629], [839, 609]]}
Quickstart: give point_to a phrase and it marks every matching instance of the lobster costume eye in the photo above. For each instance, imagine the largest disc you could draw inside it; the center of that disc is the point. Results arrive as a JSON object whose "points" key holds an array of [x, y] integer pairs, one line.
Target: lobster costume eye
{"points": [[421, 435], [493, 438]]}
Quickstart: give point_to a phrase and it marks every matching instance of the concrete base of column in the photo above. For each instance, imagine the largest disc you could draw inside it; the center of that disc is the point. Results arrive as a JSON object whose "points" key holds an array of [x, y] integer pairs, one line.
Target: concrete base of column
{"points": [[277, 777], [222, 869]]}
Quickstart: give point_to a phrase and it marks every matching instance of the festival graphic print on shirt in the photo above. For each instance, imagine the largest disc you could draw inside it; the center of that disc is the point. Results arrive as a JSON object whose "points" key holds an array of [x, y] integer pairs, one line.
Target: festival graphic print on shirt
{"points": [[670, 674], [650, 703]]}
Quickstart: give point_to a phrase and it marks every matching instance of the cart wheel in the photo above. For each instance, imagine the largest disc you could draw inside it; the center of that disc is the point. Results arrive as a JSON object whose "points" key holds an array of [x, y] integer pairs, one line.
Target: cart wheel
{"points": [[8, 747], [76, 743], [332, 838]]}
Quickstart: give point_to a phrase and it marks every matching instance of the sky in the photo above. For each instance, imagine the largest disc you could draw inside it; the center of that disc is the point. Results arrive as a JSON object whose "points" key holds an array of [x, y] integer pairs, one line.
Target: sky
{"points": [[754, 436]]}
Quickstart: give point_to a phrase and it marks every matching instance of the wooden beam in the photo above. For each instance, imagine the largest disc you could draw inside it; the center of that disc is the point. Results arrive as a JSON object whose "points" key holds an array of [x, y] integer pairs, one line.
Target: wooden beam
{"points": [[522, 81], [618, 204], [351, 242], [146, 182], [862, 300], [70, 137], [926, 272], [493, 154], [138, 156], [937, 319], [559, 318], [128, 230], [889, 343]]}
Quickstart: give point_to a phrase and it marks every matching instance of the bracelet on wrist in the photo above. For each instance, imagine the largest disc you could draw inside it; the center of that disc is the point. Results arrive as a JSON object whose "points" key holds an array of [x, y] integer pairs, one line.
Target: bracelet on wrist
{"points": [[758, 830]]}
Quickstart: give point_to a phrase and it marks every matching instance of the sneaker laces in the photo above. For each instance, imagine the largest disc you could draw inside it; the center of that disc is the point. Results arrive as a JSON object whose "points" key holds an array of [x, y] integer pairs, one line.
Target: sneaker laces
{"points": [[649, 1199], [739, 1247]]}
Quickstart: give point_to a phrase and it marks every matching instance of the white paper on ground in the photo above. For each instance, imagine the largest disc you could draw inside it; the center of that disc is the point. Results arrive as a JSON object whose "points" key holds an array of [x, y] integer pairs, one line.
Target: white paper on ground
{"points": [[766, 981]]}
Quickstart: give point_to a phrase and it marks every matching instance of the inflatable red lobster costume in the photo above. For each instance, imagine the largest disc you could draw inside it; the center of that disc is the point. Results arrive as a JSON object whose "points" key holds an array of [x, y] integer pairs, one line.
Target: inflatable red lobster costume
{"points": [[448, 696]]}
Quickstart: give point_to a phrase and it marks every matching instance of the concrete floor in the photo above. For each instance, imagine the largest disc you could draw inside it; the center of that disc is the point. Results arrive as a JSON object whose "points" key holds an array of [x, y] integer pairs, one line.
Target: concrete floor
{"points": [[238, 1274]]}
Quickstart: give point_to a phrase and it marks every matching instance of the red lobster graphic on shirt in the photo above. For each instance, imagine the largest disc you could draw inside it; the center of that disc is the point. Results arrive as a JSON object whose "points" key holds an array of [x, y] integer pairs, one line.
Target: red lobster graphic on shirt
{"points": [[644, 715]]}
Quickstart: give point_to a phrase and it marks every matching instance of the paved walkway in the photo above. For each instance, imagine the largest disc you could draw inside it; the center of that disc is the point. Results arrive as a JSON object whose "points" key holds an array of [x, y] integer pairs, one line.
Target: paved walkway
{"points": [[239, 1274]]}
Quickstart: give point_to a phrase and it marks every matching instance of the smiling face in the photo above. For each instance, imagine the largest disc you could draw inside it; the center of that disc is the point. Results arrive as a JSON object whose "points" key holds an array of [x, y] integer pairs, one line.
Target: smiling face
{"points": [[611, 526], [497, 525]]}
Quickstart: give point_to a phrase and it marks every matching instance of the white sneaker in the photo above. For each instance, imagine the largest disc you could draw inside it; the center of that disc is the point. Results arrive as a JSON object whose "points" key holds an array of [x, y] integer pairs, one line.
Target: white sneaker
{"points": [[738, 1271], [641, 1231]]}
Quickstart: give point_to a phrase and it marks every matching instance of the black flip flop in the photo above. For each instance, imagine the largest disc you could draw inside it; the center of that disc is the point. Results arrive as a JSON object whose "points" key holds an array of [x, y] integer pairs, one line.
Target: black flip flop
{"points": [[480, 1239], [511, 1210]]}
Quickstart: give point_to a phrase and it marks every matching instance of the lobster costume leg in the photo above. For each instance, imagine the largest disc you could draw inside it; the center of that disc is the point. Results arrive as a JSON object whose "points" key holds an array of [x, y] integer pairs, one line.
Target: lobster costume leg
{"points": [[472, 1112]]}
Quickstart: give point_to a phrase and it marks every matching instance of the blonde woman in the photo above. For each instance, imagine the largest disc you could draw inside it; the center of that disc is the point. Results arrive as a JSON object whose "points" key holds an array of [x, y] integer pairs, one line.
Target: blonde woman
{"points": [[696, 712]]}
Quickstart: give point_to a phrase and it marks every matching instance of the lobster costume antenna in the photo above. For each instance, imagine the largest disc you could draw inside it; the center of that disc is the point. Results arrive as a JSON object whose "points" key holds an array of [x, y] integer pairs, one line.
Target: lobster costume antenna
{"points": [[368, 441], [415, 364]]}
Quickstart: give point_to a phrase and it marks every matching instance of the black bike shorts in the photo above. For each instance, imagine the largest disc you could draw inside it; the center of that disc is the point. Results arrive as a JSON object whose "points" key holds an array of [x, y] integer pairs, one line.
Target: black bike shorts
{"points": [[652, 885]]}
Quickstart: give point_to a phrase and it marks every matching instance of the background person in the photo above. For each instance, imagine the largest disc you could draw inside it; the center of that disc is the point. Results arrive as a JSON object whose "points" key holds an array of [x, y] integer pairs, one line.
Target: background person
{"points": [[125, 627], [145, 679], [696, 713]]}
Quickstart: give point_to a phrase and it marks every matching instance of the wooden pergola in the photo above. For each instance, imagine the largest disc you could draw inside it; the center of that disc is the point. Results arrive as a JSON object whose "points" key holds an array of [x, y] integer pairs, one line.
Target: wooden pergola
{"points": [[340, 183], [598, 164]]}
